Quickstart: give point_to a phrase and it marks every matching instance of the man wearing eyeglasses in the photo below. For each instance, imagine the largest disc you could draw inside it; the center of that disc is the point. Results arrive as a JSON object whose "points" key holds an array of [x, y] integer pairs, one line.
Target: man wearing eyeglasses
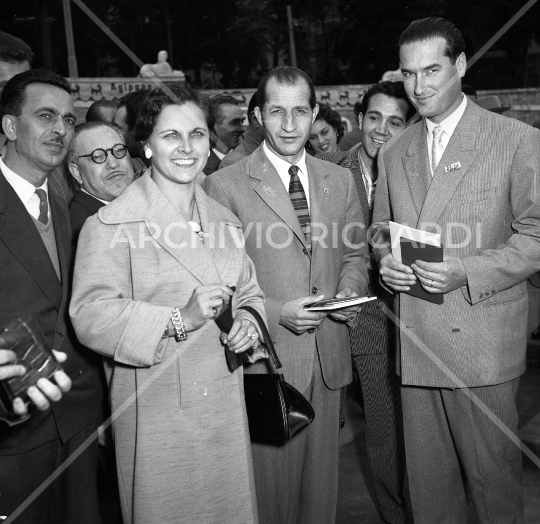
{"points": [[35, 255], [99, 160]]}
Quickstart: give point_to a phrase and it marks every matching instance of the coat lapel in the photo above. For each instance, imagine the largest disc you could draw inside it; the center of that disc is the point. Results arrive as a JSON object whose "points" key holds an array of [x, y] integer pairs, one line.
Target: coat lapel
{"points": [[178, 238], [318, 197], [272, 191], [19, 233], [462, 148], [414, 163]]}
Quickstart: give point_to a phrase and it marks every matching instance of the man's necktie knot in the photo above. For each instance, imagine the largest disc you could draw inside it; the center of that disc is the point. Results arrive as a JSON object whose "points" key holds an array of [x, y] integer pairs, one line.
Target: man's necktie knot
{"points": [[43, 207], [299, 202]]}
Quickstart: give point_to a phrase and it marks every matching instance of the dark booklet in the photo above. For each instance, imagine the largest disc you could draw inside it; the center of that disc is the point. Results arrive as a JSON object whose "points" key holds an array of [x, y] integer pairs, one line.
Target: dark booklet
{"points": [[411, 251]]}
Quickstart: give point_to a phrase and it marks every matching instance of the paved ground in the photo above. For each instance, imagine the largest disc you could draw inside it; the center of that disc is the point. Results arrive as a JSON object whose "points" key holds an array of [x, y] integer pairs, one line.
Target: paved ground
{"points": [[355, 505]]}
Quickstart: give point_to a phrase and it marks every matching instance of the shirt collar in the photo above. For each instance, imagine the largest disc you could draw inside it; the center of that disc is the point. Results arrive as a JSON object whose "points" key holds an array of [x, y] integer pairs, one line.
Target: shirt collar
{"points": [[450, 123], [282, 166], [24, 189], [93, 196]]}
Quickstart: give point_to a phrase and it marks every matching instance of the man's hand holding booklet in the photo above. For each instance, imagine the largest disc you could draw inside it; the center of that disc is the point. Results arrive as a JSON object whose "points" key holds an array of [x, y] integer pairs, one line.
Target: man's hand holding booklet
{"points": [[337, 303], [410, 245]]}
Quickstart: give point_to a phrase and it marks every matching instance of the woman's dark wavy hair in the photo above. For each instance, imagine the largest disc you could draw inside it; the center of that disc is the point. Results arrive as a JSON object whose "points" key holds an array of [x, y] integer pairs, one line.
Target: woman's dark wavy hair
{"points": [[333, 118], [154, 102]]}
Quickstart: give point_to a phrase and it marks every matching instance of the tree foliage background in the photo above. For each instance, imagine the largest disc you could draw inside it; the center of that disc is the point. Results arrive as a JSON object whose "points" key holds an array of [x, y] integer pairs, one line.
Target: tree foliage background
{"points": [[337, 41]]}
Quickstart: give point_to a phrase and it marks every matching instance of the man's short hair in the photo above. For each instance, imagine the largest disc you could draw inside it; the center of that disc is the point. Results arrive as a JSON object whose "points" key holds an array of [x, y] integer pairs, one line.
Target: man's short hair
{"points": [[433, 27], [468, 90], [13, 50], [253, 103], [94, 111], [357, 109], [215, 106], [391, 89], [132, 102], [73, 151], [13, 94], [288, 76]]}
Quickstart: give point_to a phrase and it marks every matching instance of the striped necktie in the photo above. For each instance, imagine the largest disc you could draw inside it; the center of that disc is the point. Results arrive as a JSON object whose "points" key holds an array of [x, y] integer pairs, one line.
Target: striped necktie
{"points": [[43, 207], [299, 202]]}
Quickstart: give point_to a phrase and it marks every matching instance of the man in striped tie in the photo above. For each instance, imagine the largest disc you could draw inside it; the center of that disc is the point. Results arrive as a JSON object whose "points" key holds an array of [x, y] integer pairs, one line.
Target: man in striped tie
{"points": [[302, 220]]}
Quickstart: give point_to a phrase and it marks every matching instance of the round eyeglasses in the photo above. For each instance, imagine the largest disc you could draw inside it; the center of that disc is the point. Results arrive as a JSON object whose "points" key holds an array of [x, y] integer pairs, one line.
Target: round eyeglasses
{"points": [[100, 155]]}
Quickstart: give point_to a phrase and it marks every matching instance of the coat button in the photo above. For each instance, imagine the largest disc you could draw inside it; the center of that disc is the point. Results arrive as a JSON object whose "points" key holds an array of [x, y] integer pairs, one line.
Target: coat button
{"points": [[314, 290], [80, 372], [305, 251], [311, 331]]}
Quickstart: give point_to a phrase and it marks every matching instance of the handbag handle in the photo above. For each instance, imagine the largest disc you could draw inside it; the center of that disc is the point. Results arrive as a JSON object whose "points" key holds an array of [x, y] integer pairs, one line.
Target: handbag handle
{"points": [[266, 336]]}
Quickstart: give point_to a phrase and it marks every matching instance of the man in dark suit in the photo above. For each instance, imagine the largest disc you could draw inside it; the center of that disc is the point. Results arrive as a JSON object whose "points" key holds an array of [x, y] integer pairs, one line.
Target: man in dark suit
{"points": [[304, 232], [384, 111], [228, 129], [472, 176], [252, 138], [35, 259], [98, 159]]}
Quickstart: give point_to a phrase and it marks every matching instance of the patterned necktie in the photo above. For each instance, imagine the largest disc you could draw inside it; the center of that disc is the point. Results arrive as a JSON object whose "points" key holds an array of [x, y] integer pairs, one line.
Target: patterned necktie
{"points": [[299, 202], [437, 148], [43, 207]]}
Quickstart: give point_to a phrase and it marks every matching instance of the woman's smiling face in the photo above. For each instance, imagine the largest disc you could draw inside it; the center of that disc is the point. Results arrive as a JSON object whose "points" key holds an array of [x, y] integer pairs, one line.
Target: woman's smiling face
{"points": [[180, 143]]}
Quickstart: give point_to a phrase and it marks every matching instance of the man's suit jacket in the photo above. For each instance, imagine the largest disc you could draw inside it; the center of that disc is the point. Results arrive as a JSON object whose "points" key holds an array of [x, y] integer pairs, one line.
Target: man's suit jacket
{"points": [[248, 146], [82, 207], [212, 164], [286, 270], [29, 286], [484, 201], [373, 318]]}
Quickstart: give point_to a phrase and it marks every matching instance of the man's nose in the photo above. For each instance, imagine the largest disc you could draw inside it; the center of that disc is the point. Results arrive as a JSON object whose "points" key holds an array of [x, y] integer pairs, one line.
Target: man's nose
{"points": [[419, 85], [289, 122], [112, 161], [59, 127]]}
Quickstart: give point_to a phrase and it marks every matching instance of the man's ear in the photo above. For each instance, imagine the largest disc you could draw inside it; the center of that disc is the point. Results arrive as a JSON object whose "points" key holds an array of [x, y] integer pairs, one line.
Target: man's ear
{"points": [[315, 112], [9, 126], [258, 115], [461, 64], [360, 120], [74, 170]]}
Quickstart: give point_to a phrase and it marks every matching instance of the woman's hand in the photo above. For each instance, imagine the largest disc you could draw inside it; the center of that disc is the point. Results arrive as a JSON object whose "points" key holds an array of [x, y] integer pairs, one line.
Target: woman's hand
{"points": [[242, 336], [205, 304]]}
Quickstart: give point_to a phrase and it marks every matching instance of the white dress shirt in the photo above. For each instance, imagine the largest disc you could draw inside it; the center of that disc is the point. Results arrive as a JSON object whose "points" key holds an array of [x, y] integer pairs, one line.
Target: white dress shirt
{"points": [[219, 154], [449, 125], [84, 191], [26, 191], [282, 167]]}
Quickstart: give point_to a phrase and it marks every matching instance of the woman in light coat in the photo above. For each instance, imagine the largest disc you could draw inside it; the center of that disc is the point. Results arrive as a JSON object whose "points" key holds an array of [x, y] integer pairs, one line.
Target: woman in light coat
{"points": [[154, 269]]}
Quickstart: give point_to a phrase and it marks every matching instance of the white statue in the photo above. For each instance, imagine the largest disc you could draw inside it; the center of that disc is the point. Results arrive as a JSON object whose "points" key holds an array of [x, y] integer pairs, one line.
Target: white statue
{"points": [[162, 68]]}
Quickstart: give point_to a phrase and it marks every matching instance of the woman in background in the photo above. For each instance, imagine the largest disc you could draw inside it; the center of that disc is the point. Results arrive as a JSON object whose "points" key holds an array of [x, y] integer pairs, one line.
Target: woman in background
{"points": [[154, 269], [326, 131]]}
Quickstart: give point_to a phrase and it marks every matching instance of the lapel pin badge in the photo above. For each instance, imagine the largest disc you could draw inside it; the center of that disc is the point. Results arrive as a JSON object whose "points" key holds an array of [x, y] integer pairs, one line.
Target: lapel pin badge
{"points": [[269, 190], [325, 190], [452, 167]]}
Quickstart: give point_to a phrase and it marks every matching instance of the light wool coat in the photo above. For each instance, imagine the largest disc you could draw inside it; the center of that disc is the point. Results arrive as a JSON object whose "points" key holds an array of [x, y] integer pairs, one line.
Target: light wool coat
{"points": [[179, 420], [484, 199]]}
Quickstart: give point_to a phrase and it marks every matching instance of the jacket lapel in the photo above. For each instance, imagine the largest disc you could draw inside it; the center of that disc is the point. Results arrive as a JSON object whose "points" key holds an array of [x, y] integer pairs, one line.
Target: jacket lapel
{"points": [[20, 235], [416, 168], [272, 191], [318, 197], [462, 148], [352, 163]]}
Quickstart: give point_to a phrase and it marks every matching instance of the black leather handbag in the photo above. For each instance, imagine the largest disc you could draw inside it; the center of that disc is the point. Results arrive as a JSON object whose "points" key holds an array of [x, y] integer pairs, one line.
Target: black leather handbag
{"points": [[276, 410]]}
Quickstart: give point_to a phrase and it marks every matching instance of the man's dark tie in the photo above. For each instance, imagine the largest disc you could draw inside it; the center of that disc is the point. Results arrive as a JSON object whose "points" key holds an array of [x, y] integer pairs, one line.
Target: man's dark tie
{"points": [[299, 202], [43, 206]]}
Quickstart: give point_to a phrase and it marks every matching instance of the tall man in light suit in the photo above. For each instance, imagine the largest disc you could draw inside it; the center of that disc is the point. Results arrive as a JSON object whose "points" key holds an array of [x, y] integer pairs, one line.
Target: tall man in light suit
{"points": [[297, 482], [473, 176]]}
